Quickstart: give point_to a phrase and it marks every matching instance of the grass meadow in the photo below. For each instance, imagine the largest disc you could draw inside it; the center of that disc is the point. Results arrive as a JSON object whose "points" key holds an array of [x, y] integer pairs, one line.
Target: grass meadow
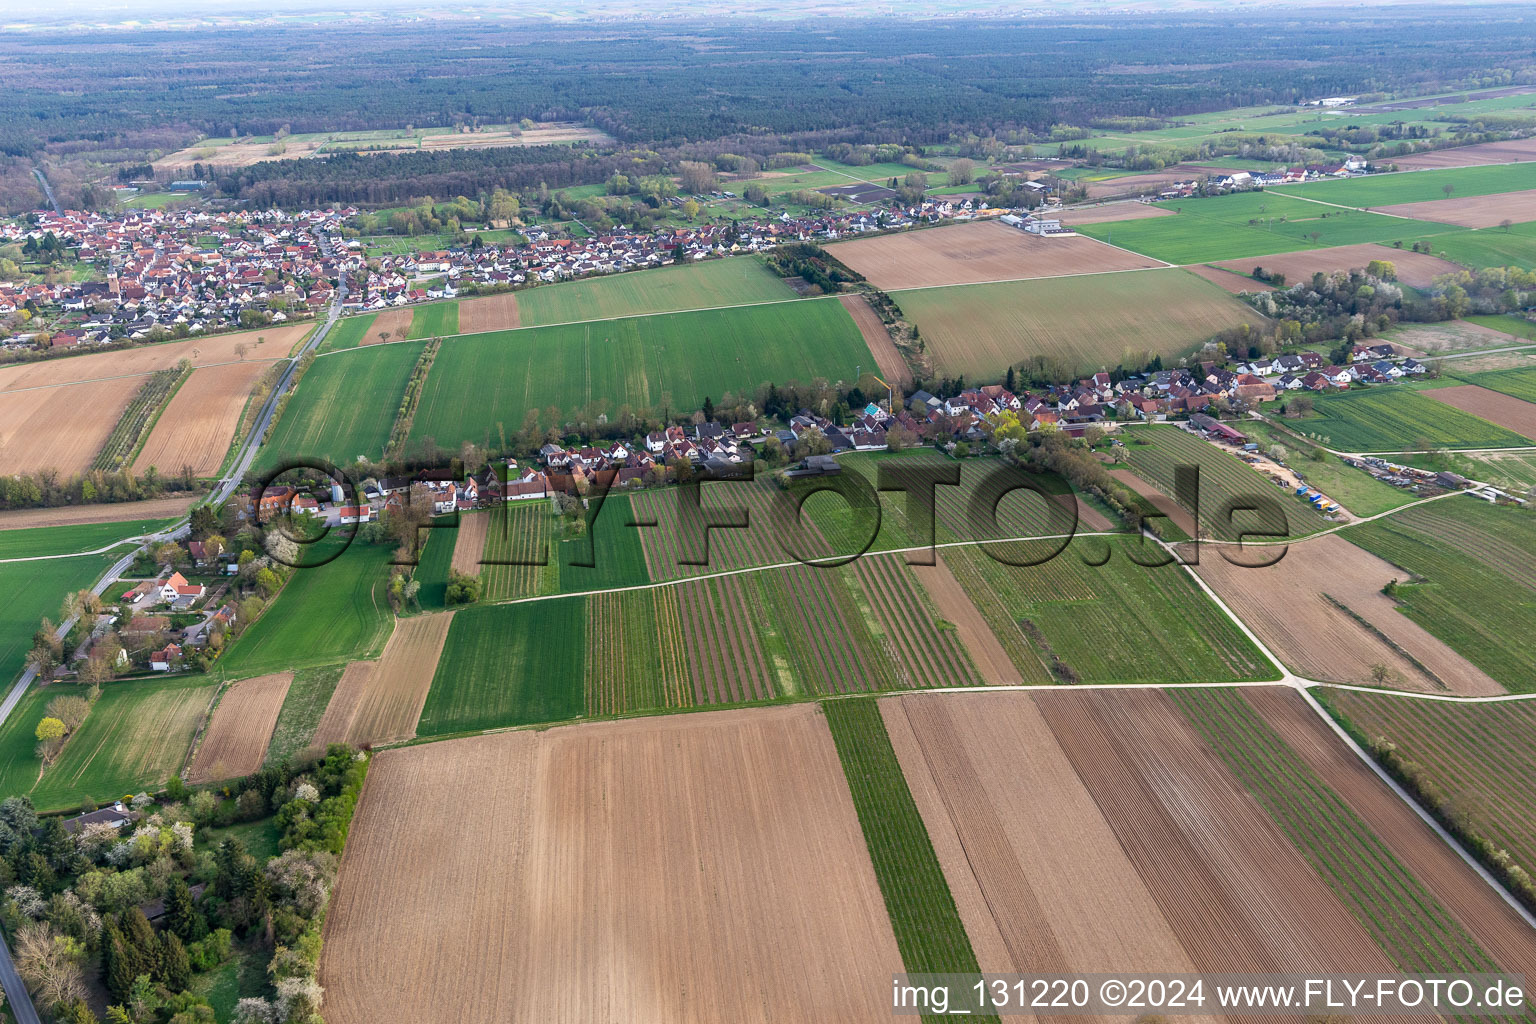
{"points": [[349, 332], [703, 285], [31, 590], [650, 363], [72, 540], [510, 664], [344, 407], [434, 320], [1419, 186], [330, 613], [1253, 224]]}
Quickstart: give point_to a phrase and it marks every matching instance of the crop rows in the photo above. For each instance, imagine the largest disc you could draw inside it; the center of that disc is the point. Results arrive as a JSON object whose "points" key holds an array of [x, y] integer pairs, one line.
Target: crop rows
{"points": [[636, 659], [923, 651], [1480, 757], [1392, 905], [1223, 478], [923, 914], [969, 566], [728, 548], [1480, 603], [135, 423], [725, 658], [518, 531], [1394, 419], [1519, 384], [830, 648]]}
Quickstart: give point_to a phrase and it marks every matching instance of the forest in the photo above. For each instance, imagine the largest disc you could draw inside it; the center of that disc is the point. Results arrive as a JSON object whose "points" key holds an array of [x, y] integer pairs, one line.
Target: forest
{"points": [[113, 98]]}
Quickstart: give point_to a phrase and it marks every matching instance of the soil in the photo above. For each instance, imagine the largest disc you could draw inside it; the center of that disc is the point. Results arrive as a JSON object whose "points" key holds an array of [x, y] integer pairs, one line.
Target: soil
{"points": [[237, 739], [690, 869], [978, 252]]}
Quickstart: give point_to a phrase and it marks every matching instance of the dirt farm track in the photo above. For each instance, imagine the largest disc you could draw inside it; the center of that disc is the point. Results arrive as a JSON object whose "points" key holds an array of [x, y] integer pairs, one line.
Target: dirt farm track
{"points": [[672, 869]]}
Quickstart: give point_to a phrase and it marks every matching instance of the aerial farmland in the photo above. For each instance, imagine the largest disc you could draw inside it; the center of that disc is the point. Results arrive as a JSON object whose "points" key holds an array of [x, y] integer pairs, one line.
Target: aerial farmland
{"points": [[691, 516]]}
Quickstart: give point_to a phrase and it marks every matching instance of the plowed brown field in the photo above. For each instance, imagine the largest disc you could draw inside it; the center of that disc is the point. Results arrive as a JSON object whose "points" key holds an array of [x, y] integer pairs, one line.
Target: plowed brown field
{"points": [[1287, 606], [977, 252], [469, 542], [1107, 213], [394, 322], [1493, 406], [196, 428], [1471, 211], [266, 344], [1415, 268], [61, 428], [1038, 876], [78, 515], [697, 868], [1512, 151], [1491, 921], [1235, 891], [242, 725], [490, 313], [380, 701], [892, 366]]}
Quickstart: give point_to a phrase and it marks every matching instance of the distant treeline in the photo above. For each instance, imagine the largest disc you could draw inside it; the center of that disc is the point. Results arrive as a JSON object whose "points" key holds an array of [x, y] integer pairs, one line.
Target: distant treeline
{"points": [[915, 81]]}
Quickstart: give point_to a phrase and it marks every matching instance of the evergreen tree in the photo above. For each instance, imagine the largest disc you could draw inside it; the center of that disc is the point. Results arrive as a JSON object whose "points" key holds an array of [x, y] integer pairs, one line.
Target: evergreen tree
{"points": [[142, 944], [1008, 384], [79, 1013], [117, 963], [181, 914], [175, 967]]}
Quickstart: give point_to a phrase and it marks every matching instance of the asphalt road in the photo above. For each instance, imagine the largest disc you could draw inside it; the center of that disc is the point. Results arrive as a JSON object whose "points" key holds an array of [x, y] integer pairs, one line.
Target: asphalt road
{"points": [[19, 1000]]}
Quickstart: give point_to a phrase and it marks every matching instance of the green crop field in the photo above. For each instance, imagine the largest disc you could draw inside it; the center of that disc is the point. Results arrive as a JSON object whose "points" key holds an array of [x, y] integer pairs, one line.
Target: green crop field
{"points": [[30, 590], [648, 364], [1393, 418], [1516, 383], [726, 282], [1490, 247], [1358, 491], [1392, 905], [1225, 482], [1472, 582], [1418, 186], [72, 540], [344, 407], [136, 736], [435, 559], [333, 612], [614, 548], [436, 320], [923, 914], [637, 657], [1480, 758], [302, 710], [348, 332], [1253, 224], [509, 664], [1088, 322], [1067, 620]]}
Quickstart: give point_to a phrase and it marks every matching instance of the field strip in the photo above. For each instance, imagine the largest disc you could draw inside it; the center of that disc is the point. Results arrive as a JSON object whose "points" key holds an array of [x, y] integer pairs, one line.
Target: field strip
{"points": [[596, 320], [77, 554], [127, 376]]}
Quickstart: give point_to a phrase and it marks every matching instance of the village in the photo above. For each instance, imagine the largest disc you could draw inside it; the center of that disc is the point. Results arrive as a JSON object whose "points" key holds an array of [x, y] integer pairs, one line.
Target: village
{"points": [[177, 273]]}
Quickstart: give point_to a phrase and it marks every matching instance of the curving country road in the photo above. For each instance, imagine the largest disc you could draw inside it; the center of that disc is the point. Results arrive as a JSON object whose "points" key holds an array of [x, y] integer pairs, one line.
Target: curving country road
{"points": [[19, 999]]}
